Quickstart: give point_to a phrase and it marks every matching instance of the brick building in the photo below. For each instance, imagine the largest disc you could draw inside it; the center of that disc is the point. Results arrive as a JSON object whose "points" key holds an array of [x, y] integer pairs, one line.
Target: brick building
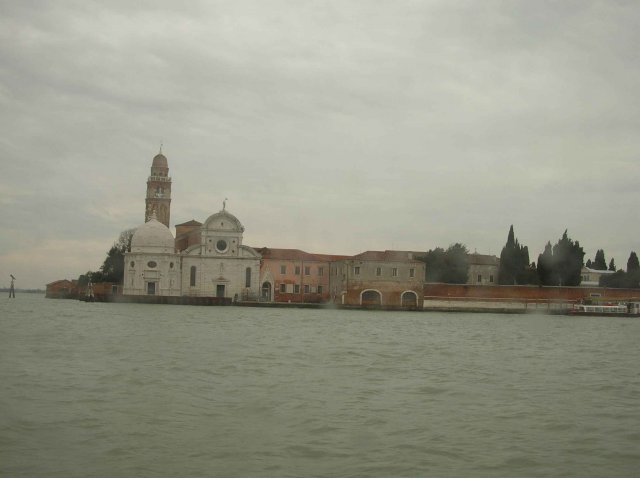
{"points": [[378, 279], [292, 275]]}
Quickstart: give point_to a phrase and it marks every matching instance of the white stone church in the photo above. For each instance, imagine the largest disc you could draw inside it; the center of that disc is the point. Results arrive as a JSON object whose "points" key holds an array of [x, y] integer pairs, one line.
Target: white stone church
{"points": [[219, 265]]}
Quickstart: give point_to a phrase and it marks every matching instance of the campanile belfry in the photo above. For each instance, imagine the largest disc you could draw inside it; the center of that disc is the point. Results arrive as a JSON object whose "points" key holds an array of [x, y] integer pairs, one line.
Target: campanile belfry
{"points": [[159, 190]]}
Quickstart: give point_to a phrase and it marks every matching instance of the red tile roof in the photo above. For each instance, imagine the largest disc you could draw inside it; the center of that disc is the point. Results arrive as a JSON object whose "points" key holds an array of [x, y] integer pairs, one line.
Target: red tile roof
{"points": [[388, 256], [296, 255], [193, 222]]}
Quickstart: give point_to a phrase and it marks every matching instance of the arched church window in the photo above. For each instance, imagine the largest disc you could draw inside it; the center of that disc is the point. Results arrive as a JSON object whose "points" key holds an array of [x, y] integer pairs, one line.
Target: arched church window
{"points": [[247, 281], [192, 280]]}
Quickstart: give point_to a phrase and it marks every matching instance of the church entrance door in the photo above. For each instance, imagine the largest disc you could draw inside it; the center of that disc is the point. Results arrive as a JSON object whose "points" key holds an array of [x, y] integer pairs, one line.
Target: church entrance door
{"points": [[220, 290], [151, 288], [266, 291]]}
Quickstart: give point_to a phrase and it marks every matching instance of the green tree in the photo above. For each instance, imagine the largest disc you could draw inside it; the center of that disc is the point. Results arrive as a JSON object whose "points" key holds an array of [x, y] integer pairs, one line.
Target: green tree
{"points": [[514, 262], [456, 264], [589, 264], [450, 266], [112, 269], [434, 265], [561, 264], [89, 276], [599, 262], [612, 265], [621, 279], [568, 258], [545, 266]]}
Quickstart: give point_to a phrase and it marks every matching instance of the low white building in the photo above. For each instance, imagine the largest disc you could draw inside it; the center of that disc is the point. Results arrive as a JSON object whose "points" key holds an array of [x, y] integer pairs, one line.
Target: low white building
{"points": [[591, 277]]}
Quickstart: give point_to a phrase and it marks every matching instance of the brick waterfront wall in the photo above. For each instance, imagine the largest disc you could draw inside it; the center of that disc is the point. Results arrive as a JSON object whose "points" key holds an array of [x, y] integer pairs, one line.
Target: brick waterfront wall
{"points": [[522, 293]]}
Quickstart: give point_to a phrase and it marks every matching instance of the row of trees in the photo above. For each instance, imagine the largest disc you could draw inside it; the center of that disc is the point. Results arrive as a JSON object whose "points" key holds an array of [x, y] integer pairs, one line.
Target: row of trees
{"points": [[560, 264], [621, 279]]}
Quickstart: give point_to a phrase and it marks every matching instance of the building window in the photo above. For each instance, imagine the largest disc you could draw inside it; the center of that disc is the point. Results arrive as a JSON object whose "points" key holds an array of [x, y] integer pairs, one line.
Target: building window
{"points": [[491, 279], [378, 271], [221, 245], [283, 288], [412, 272], [152, 264], [247, 278], [307, 270], [319, 289], [394, 272], [192, 280], [283, 269], [356, 271], [296, 289], [297, 272], [479, 277], [306, 289], [320, 271]]}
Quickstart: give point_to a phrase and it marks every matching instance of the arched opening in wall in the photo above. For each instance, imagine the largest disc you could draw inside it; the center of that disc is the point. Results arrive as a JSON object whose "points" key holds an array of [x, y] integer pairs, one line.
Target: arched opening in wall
{"points": [[247, 278], [370, 298], [265, 294], [192, 278], [409, 299]]}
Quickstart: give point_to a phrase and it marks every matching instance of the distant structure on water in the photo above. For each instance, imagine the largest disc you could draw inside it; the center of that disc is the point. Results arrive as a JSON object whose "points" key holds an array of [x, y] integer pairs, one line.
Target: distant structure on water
{"points": [[208, 263], [210, 260]]}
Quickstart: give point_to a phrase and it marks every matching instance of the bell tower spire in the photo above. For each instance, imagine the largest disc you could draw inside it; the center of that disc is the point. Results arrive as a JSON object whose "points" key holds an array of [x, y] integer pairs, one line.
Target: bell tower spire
{"points": [[158, 198]]}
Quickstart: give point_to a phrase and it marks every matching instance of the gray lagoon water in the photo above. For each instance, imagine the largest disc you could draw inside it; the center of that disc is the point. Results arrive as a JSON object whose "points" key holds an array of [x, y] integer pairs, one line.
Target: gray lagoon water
{"points": [[110, 390]]}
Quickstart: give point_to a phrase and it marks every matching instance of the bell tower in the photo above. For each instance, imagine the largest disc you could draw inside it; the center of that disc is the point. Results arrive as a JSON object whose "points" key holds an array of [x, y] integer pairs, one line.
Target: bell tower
{"points": [[159, 190]]}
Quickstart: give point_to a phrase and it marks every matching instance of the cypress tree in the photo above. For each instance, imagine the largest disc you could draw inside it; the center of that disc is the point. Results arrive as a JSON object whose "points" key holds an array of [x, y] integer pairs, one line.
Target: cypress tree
{"points": [[562, 263], [545, 266], [599, 262], [514, 262]]}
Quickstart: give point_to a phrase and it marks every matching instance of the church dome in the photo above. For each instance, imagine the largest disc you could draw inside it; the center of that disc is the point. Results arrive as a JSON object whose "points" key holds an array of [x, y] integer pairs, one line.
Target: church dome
{"points": [[159, 161], [153, 236], [223, 221]]}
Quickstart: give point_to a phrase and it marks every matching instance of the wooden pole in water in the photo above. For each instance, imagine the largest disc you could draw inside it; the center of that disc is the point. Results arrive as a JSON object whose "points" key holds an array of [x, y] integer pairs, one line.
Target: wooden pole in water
{"points": [[12, 291]]}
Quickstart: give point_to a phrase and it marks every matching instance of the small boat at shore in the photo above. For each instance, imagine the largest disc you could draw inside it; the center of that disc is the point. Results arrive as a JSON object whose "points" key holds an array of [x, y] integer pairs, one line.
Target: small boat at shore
{"points": [[628, 309]]}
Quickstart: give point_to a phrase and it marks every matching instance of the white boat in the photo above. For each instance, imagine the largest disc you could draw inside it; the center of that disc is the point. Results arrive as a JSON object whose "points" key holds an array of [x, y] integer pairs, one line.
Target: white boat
{"points": [[622, 309]]}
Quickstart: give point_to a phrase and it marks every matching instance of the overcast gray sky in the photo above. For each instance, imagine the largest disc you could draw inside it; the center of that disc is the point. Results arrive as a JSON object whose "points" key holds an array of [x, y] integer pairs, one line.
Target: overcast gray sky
{"points": [[331, 126]]}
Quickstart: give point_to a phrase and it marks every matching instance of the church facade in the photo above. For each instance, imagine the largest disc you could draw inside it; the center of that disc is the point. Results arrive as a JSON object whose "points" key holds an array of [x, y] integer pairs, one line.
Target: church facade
{"points": [[215, 264]]}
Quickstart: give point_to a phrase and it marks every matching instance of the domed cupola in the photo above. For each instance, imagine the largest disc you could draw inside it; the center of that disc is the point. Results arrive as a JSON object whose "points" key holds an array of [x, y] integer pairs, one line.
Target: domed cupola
{"points": [[160, 162], [223, 221], [153, 237]]}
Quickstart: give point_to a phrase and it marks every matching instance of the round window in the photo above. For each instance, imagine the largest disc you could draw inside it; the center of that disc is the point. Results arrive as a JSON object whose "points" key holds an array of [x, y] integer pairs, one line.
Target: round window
{"points": [[132, 264], [221, 245], [152, 264]]}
